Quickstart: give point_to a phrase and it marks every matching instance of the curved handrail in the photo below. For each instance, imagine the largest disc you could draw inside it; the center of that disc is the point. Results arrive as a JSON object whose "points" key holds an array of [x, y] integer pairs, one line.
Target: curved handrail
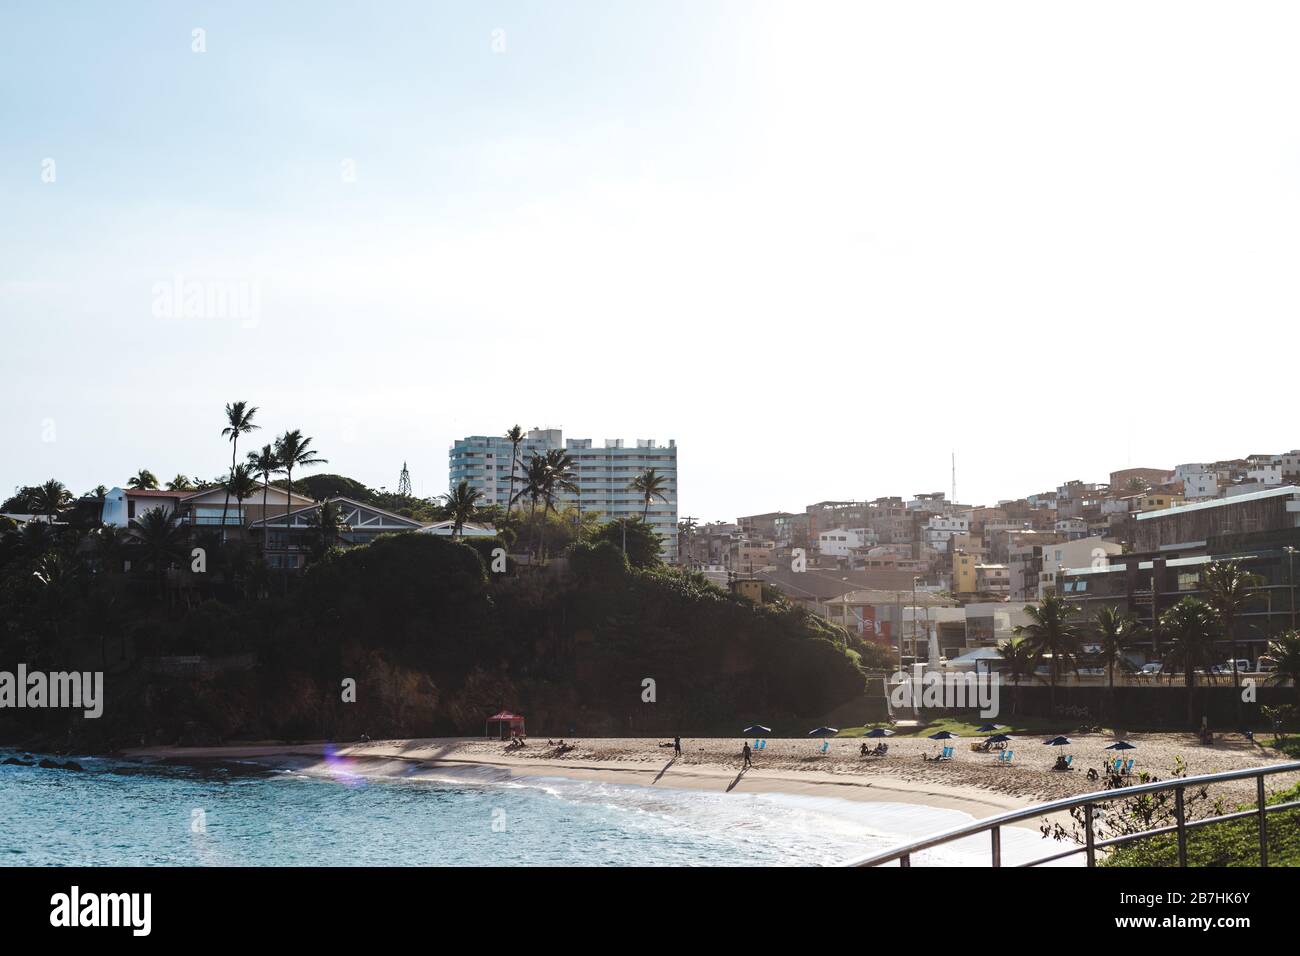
{"points": [[1068, 803]]}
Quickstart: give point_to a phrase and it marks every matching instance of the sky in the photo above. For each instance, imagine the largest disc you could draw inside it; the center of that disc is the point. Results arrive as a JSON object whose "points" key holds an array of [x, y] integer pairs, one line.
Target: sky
{"points": [[824, 247]]}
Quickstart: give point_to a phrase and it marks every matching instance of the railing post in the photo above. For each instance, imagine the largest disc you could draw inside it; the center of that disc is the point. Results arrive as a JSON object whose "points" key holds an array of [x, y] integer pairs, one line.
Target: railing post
{"points": [[905, 860], [1181, 814], [1263, 821], [1088, 832], [996, 834]]}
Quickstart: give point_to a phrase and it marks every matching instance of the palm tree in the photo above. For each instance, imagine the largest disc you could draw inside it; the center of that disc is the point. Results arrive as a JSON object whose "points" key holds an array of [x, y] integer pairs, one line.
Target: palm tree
{"points": [[328, 525], [100, 493], [651, 484], [239, 421], [143, 480], [559, 477], [50, 498], [1051, 634], [263, 464], [1015, 651], [463, 505], [180, 483], [1190, 627], [534, 486], [158, 537], [294, 451], [109, 548], [241, 485], [1115, 632], [514, 435], [1230, 590], [1285, 651]]}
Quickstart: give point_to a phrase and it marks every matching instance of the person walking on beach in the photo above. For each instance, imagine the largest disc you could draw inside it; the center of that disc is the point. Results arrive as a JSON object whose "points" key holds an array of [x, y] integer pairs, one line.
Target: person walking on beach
{"points": [[677, 747], [746, 754]]}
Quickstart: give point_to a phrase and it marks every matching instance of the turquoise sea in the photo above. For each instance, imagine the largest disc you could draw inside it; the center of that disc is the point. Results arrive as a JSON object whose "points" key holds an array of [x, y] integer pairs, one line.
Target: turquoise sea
{"points": [[396, 813]]}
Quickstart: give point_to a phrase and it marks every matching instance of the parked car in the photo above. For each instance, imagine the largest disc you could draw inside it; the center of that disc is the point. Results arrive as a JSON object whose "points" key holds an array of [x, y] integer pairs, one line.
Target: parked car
{"points": [[1151, 668], [1267, 665], [1242, 666]]}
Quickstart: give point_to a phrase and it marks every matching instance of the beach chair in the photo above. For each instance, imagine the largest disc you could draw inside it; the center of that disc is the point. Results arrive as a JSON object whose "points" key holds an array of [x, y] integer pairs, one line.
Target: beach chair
{"points": [[1069, 761], [1119, 764], [762, 744], [1001, 757], [1128, 767], [1010, 754], [826, 745]]}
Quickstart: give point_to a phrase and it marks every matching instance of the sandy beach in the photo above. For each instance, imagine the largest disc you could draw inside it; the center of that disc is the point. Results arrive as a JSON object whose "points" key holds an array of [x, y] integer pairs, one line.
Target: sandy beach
{"points": [[971, 782]]}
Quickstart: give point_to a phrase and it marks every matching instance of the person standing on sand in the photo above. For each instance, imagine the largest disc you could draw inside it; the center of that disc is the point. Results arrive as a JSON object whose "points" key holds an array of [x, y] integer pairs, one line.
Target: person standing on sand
{"points": [[746, 754], [677, 747]]}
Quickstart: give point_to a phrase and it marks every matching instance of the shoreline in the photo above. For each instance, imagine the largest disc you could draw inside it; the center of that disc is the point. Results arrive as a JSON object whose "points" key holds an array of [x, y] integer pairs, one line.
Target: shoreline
{"points": [[441, 753]]}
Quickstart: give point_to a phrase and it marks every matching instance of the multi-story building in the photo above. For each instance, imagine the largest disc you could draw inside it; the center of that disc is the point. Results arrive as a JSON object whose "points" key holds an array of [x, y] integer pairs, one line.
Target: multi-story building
{"points": [[940, 528], [603, 475], [1272, 509], [992, 579], [842, 542]]}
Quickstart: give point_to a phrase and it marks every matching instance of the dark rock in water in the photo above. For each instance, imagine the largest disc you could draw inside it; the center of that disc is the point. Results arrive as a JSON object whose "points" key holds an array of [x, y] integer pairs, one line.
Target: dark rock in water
{"points": [[48, 764], [73, 765], [14, 761]]}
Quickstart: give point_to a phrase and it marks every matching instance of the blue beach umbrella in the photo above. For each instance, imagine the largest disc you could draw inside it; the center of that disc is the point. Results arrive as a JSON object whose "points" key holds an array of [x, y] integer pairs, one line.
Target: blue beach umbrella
{"points": [[1121, 745], [823, 732], [944, 735], [1057, 742], [753, 729], [998, 739], [987, 728], [878, 732]]}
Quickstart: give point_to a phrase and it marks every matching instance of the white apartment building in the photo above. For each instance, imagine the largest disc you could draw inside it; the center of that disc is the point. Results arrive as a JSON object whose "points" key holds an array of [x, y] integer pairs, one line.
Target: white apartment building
{"points": [[841, 542], [940, 529], [1200, 484], [1268, 474], [603, 473]]}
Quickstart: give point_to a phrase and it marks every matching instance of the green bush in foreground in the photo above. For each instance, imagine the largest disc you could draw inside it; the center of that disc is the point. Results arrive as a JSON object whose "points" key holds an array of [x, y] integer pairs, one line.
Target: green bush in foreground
{"points": [[1235, 843]]}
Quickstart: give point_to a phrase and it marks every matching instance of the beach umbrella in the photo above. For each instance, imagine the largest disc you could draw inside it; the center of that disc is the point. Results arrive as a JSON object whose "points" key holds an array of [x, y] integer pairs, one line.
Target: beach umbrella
{"points": [[878, 732], [998, 739], [1057, 742], [753, 729], [1121, 745], [944, 735], [987, 728], [823, 732]]}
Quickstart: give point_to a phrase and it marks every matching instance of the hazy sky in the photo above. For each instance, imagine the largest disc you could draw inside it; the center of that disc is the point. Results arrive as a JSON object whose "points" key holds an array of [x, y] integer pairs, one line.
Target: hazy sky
{"points": [[820, 246]]}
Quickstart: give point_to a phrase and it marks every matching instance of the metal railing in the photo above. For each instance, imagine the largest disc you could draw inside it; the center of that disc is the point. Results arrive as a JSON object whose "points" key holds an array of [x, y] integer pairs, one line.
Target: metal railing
{"points": [[993, 825]]}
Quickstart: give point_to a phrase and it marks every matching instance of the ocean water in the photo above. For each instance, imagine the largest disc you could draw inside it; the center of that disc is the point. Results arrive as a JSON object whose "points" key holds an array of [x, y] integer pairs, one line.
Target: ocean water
{"points": [[351, 813]]}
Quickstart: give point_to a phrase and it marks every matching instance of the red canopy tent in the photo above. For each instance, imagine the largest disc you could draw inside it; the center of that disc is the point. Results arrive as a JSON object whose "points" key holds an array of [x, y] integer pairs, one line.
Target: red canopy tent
{"points": [[508, 725]]}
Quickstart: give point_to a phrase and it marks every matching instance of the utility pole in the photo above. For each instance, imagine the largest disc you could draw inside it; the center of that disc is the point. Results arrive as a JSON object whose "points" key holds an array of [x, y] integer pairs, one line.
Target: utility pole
{"points": [[1290, 560]]}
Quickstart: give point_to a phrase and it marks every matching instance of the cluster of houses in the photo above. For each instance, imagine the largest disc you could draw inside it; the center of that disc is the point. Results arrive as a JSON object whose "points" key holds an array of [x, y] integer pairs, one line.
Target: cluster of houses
{"points": [[947, 579]]}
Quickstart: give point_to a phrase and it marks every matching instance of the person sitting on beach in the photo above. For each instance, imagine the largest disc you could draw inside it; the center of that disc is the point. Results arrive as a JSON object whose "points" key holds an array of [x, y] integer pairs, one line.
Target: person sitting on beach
{"points": [[1061, 763], [863, 749], [882, 748]]}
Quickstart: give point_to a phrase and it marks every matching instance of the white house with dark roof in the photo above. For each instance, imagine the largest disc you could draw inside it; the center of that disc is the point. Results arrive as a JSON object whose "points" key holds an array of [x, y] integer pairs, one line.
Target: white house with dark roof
{"points": [[124, 505]]}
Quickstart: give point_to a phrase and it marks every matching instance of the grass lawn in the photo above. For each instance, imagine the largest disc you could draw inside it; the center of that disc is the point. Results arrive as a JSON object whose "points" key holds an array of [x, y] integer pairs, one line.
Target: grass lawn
{"points": [[1235, 843]]}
